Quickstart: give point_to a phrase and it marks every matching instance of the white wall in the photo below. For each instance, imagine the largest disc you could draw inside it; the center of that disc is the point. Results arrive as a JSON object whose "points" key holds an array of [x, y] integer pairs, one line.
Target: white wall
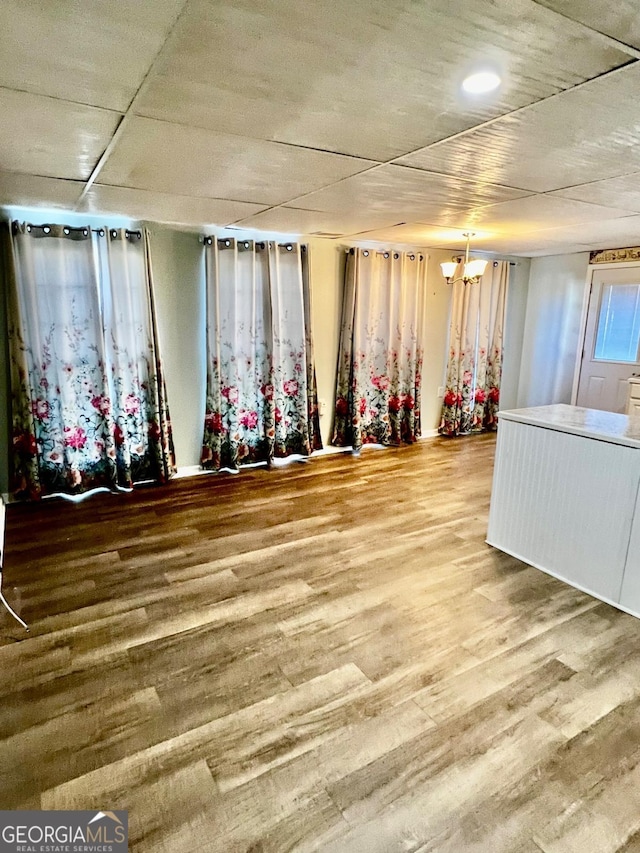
{"points": [[177, 260], [514, 331], [552, 329]]}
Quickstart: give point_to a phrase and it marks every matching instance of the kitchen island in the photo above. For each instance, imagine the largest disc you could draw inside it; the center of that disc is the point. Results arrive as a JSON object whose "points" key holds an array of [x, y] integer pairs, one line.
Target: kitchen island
{"points": [[565, 498]]}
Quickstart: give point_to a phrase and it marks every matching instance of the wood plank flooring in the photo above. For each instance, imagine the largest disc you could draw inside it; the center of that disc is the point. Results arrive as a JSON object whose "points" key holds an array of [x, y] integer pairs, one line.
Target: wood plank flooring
{"points": [[325, 657]]}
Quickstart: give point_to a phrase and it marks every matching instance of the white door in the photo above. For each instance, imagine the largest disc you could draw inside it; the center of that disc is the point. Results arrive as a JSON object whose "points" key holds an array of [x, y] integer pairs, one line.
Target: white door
{"points": [[611, 352]]}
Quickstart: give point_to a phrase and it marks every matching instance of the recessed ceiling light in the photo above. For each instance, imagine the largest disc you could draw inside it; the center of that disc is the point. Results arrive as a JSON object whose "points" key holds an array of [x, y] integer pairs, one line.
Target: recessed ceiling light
{"points": [[482, 81]]}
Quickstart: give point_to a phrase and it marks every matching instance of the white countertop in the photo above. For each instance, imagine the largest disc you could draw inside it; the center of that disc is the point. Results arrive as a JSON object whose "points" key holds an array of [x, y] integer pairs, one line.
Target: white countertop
{"points": [[590, 423]]}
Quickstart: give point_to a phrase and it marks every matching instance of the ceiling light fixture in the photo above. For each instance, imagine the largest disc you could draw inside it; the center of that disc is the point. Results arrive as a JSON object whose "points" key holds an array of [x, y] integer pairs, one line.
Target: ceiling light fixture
{"points": [[481, 82], [472, 270]]}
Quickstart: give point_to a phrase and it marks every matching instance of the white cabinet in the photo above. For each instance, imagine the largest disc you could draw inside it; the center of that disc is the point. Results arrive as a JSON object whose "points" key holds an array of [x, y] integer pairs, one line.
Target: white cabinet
{"points": [[565, 498], [633, 396]]}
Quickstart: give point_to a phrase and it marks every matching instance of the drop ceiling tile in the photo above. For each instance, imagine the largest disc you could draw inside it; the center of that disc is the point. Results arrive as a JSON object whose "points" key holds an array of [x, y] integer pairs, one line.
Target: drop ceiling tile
{"points": [[535, 213], [533, 248], [44, 136], [619, 20], [587, 134], [33, 191], [610, 234], [162, 207], [296, 221], [94, 53], [172, 158], [419, 234], [614, 192], [402, 194], [371, 78]]}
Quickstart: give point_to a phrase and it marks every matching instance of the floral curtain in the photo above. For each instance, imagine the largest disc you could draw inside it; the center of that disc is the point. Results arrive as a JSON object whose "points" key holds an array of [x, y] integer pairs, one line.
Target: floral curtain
{"points": [[88, 400], [261, 390], [474, 370], [380, 355]]}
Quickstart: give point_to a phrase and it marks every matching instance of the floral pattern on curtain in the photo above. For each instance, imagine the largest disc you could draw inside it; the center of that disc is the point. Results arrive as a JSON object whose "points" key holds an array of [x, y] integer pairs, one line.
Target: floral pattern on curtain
{"points": [[88, 398], [261, 389], [380, 354], [474, 370]]}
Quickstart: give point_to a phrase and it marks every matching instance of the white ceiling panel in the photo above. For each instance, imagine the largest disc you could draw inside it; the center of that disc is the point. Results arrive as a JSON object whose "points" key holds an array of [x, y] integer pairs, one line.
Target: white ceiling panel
{"points": [[533, 246], [160, 207], [620, 20], [44, 136], [419, 235], [33, 191], [612, 234], [404, 194], [95, 52], [534, 213], [294, 220], [590, 133], [371, 78], [172, 158], [614, 192]]}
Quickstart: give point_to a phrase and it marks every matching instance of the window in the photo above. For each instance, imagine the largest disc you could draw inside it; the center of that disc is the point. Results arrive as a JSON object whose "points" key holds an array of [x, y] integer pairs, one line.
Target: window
{"points": [[618, 335]]}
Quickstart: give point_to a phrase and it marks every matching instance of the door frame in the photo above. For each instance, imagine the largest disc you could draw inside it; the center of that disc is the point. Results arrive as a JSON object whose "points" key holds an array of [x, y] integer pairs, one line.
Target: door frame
{"points": [[591, 269]]}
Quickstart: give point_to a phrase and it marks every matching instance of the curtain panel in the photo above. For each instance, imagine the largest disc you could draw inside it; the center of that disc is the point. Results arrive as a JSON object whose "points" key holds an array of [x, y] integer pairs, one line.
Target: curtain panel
{"points": [[380, 353], [474, 370], [261, 388], [89, 405]]}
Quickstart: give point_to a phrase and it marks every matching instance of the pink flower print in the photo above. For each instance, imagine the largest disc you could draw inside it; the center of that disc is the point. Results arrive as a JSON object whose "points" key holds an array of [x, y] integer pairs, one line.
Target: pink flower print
{"points": [[298, 368], [494, 395], [480, 395], [248, 419], [24, 442], [381, 382], [450, 398], [131, 404], [267, 391], [231, 394], [118, 435], [75, 437], [68, 369], [363, 405], [467, 377], [213, 422], [342, 406], [290, 387], [40, 409], [394, 403], [409, 402], [277, 415], [101, 403]]}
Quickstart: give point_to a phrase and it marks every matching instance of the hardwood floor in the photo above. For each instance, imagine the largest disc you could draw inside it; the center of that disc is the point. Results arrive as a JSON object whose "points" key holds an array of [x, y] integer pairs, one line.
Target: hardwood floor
{"points": [[326, 657]]}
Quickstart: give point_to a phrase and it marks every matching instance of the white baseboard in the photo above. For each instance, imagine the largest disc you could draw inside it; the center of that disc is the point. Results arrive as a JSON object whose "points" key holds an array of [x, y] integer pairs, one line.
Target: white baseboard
{"points": [[328, 450], [191, 471]]}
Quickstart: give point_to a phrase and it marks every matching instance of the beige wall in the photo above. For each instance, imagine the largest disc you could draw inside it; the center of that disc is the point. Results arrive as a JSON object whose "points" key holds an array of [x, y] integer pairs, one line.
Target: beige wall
{"points": [[552, 329], [178, 274], [177, 260]]}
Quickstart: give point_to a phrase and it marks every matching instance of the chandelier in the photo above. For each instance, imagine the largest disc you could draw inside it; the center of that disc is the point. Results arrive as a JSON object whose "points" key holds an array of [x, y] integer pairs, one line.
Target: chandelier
{"points": [[472, 270]]}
